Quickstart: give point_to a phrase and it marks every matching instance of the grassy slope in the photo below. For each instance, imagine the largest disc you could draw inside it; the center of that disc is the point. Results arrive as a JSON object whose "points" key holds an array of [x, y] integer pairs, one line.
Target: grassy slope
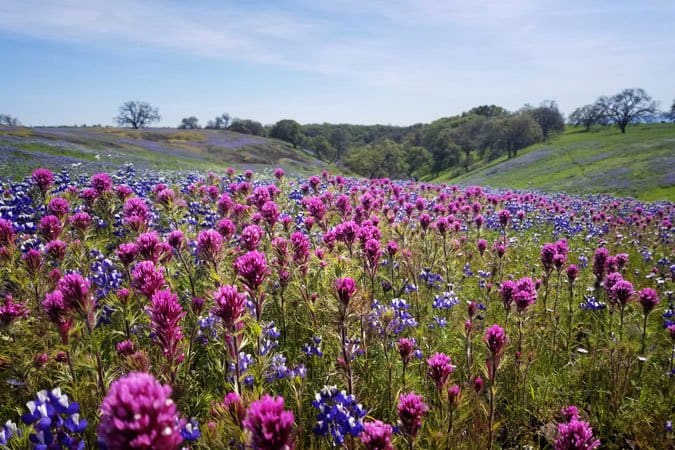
{"points": [[96, 149], [640, 164]]}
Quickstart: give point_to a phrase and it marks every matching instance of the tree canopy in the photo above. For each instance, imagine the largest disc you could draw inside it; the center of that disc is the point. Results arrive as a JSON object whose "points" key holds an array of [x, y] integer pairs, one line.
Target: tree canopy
{"points": [[137, 114]]}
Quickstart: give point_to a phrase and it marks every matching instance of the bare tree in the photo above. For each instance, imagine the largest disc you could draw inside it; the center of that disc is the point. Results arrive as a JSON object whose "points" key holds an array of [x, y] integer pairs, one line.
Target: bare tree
{"points": [[8, 121], [630, 106], [137, 114]]}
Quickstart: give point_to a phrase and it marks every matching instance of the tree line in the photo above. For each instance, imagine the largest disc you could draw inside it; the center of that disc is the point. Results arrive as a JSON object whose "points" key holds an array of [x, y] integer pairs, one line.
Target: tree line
{"points": [[461, 142]]}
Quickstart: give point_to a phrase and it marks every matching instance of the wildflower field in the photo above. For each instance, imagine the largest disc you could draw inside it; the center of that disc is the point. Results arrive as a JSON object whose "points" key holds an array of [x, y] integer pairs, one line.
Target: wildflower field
{"points": [[140, 311]]}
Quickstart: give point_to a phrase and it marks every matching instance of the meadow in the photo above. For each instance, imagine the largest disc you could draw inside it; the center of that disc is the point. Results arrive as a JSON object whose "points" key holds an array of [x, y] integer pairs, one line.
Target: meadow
{"points": [[638, 164], [236, 310]]}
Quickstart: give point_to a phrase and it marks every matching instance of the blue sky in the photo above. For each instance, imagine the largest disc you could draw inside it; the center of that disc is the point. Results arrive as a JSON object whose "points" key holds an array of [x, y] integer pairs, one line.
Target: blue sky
{"points": [[389, 61]]}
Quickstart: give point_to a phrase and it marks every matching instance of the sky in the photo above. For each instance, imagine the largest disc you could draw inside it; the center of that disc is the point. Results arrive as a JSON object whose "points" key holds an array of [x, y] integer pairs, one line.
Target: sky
{"points": [[394, 62]]}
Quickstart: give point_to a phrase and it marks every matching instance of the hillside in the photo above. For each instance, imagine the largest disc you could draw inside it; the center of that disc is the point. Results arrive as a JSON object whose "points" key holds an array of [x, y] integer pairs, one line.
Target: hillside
{"points": [[640, 164], [100, 149]]}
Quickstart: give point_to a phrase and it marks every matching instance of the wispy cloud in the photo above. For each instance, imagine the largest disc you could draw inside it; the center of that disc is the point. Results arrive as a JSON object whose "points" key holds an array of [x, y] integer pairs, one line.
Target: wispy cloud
{"points": [[424, 47]]}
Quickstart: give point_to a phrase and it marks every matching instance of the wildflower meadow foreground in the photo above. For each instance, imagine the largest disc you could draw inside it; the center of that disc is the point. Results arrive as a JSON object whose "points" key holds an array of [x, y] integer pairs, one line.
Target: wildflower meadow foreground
{"points": [[140, 311]]}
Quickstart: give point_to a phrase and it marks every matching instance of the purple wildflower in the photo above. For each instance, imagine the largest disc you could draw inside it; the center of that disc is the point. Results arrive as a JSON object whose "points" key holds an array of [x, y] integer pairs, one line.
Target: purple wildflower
{"points": [[138, 413], [269, 424]]}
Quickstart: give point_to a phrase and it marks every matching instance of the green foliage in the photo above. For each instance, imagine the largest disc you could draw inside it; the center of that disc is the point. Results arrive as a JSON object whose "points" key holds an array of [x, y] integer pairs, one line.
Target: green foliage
{"points": [[189, 123], [382, 159], [286, 130], [247, 126]]}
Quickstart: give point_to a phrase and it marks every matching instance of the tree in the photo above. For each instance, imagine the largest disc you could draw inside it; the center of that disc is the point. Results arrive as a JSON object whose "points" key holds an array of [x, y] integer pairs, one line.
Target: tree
{"points": [[549, 118], [518, 132], [339, 140], [287, 130], [487, 111], [630, 106], [468, 135], [321, 147], [223, 120], [247, 126], [672, 111], [381, 159], [588, 115], [8, 121], [137, 114], [417, 159], [189, 123]]}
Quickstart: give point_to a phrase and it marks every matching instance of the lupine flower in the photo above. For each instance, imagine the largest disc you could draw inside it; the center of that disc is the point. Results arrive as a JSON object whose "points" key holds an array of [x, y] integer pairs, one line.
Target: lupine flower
{"points": [[138, 413], [575, 435], [8, 430], [229, 305], [56, 421], [411, 408], [339, 415], [146, 278], [269, 424], [439, 369], [376, 436]]}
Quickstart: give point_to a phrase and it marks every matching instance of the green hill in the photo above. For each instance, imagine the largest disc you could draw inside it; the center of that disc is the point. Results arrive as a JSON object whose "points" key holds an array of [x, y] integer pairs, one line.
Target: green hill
{"points": [[640, 164], [105, 149]]}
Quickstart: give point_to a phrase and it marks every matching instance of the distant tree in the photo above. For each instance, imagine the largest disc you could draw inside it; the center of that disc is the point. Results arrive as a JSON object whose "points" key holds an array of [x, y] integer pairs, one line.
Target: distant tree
{"points": [[444, 153], [672, 111], [487, 111], [380, 159], [507, 135], [588, 115], [247, 126], [137, 114], [222, 121], [468, 135], [549, 118], [287, 130], [340, 141], [8, 121], [189, 123], [321, 147], [630, 106], [417, 159], [518, 132]]}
